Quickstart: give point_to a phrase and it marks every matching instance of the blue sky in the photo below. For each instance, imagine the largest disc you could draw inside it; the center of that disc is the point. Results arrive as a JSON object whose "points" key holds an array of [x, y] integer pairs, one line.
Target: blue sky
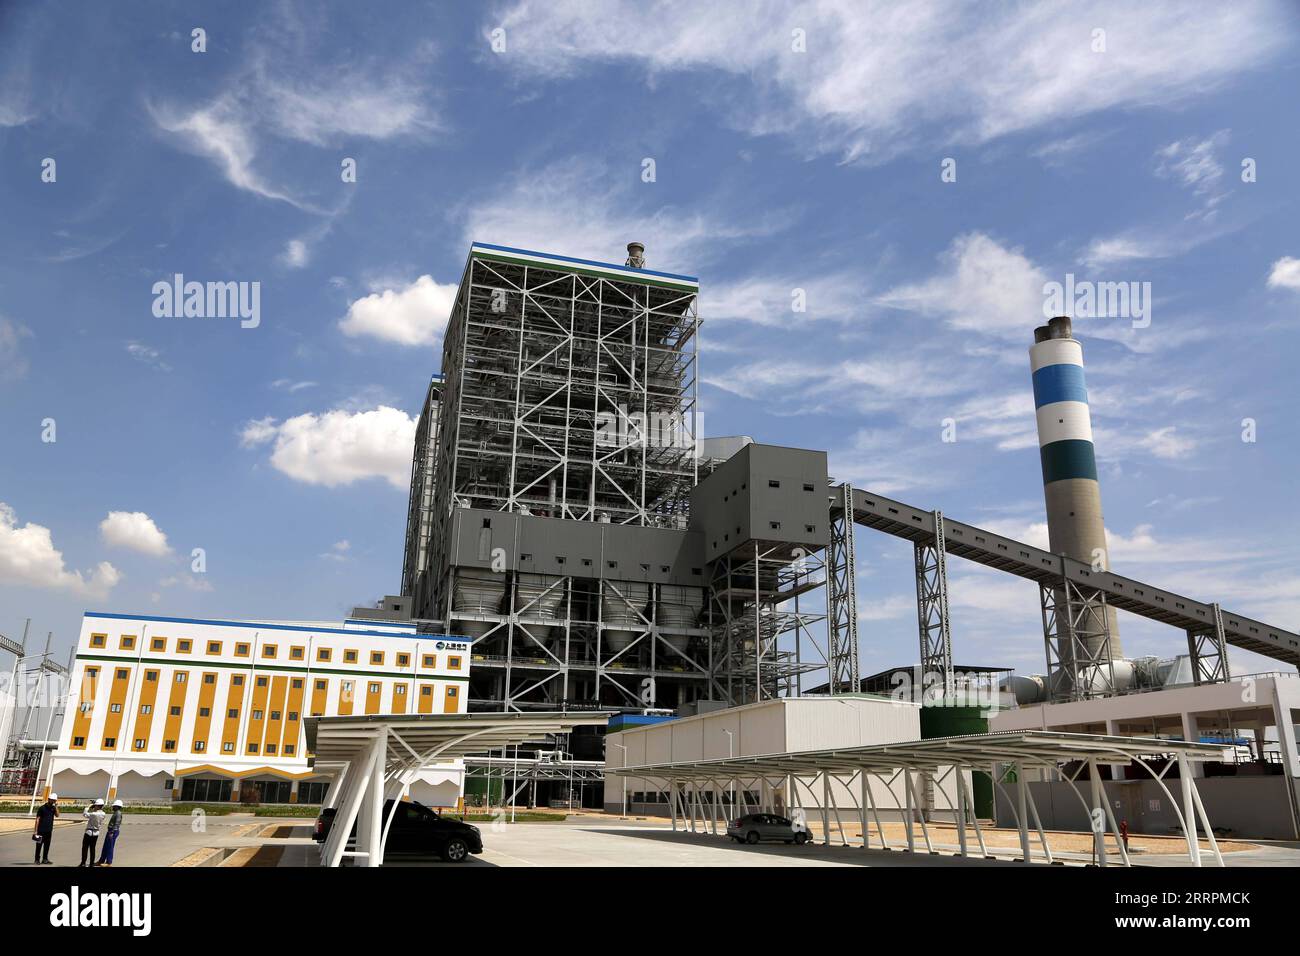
{"points": [[794, 147]]}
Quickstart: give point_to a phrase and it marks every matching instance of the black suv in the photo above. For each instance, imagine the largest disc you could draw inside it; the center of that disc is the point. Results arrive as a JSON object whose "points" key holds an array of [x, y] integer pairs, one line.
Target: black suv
{"points": [[417, 829]]}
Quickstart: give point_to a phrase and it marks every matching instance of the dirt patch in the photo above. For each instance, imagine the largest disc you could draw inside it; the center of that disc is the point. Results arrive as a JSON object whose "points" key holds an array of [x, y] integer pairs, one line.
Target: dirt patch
{"points": [[1003, 839], [12, 825]]}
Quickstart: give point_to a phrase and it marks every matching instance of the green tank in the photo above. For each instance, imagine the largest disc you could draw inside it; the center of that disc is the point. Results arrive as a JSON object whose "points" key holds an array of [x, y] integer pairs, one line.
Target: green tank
{"points": [[939, 721]]}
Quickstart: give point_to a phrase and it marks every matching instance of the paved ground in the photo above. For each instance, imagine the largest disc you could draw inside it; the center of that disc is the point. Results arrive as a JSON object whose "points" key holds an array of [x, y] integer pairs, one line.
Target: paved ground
{"points": [[146, 840], [149, 840]]}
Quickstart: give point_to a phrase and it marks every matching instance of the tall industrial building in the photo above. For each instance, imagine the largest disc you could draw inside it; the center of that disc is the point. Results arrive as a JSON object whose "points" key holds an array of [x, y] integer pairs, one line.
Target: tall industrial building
{"points": [[1075, 527], [568, 529], [419, 515]]}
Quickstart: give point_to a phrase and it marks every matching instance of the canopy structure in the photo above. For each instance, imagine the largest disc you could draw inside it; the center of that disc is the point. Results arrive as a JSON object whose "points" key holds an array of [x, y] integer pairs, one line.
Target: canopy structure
{"points": [[1005, 756], [375, 757]]}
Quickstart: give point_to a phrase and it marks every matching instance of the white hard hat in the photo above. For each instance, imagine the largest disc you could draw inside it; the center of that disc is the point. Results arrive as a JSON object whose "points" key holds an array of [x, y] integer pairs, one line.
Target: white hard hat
{"points": [[117, 803], [99, 802], [54, 796]]}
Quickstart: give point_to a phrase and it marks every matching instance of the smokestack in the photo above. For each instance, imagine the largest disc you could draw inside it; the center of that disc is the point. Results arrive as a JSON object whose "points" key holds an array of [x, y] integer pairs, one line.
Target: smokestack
{"points": [[635, 255], [1074, 520]]}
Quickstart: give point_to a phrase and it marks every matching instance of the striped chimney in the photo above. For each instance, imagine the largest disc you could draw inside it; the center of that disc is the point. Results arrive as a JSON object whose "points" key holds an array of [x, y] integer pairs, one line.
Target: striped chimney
{"points": [[1074, 521]]}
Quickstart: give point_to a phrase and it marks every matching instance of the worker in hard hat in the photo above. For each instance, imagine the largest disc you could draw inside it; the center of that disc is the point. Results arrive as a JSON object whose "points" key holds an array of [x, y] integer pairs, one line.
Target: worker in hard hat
{"points": [[111, 831], [46, 814], [94, 815]]}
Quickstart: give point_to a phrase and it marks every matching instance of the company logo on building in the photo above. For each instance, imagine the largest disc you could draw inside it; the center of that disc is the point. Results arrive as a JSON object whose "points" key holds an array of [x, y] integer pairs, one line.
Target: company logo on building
{"points": [[75, 909], [178, 299], [1098, 300]]}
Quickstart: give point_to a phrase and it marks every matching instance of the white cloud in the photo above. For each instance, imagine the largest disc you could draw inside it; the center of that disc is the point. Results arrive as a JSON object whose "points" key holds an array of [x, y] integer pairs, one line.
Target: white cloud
{"points": [[1164, 442], [877, 78], [222, 134], [339, 447], [536, 211], [1193, 163], [1007, 420], [289, 385], [148, 355], [414, 315], [1285, 274], [279, 93], [28, 558], [338, 551], [13, 364], [982, 287], [295, 254], [134, 531], [189, 581], [769, 301]]}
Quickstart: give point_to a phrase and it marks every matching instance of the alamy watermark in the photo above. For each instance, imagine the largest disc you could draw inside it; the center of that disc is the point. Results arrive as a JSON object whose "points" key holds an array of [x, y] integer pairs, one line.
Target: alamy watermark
{"points": [[1086, 299], [176, 299]]}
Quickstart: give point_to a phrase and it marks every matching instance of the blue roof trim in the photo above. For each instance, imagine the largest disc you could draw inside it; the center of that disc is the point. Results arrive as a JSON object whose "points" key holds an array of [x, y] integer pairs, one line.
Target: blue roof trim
{"points": [[586, 262], [272, 627]]}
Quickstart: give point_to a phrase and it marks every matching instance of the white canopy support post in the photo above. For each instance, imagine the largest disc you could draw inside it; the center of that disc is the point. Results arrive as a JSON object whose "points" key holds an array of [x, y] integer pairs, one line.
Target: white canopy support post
{"points": [[864, 786], [398, 798], [1038, 824], [922, 776], [826, 809], [875, 811], [1189, 810], [1114, 825], [974, 817], [1205, 825], [370, 830], [672, 802], [911, 833], [351, 796], [335, 784], [1098, 813], [961, 811], [1022, 812]]}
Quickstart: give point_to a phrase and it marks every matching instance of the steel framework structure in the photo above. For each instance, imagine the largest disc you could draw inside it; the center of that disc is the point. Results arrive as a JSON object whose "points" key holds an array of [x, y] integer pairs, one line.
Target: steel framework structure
{"points": [[1208, 649], [932, 610], [531, 671], [1074, 597], [842, 597], [570, 392], [759, 628], [1077, 639], [698, 790]]}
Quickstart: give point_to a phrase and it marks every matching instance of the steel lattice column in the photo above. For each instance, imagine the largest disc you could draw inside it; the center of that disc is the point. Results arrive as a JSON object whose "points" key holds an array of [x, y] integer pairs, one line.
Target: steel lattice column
{"points": [[842, 598], [932, 611], [1208, 649], [1077, 639]]}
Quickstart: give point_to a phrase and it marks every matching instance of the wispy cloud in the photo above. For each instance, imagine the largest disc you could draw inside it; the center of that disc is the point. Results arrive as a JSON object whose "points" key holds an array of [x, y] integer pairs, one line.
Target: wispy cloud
{"points": [[147, 355], [535, 210], [875, 80]]}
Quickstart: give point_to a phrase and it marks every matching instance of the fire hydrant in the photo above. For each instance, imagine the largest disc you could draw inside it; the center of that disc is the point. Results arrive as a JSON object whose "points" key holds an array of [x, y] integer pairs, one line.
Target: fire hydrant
{"points": [[1123, 832]]}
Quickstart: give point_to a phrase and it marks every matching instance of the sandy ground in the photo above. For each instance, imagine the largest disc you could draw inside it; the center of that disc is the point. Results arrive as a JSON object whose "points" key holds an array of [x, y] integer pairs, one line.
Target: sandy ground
{"points": [[12, 824]]}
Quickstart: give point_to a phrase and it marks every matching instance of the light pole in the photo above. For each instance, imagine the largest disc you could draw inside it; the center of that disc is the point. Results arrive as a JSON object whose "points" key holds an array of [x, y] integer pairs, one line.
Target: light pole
{"points": [[623, 776], [730, 754]]}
